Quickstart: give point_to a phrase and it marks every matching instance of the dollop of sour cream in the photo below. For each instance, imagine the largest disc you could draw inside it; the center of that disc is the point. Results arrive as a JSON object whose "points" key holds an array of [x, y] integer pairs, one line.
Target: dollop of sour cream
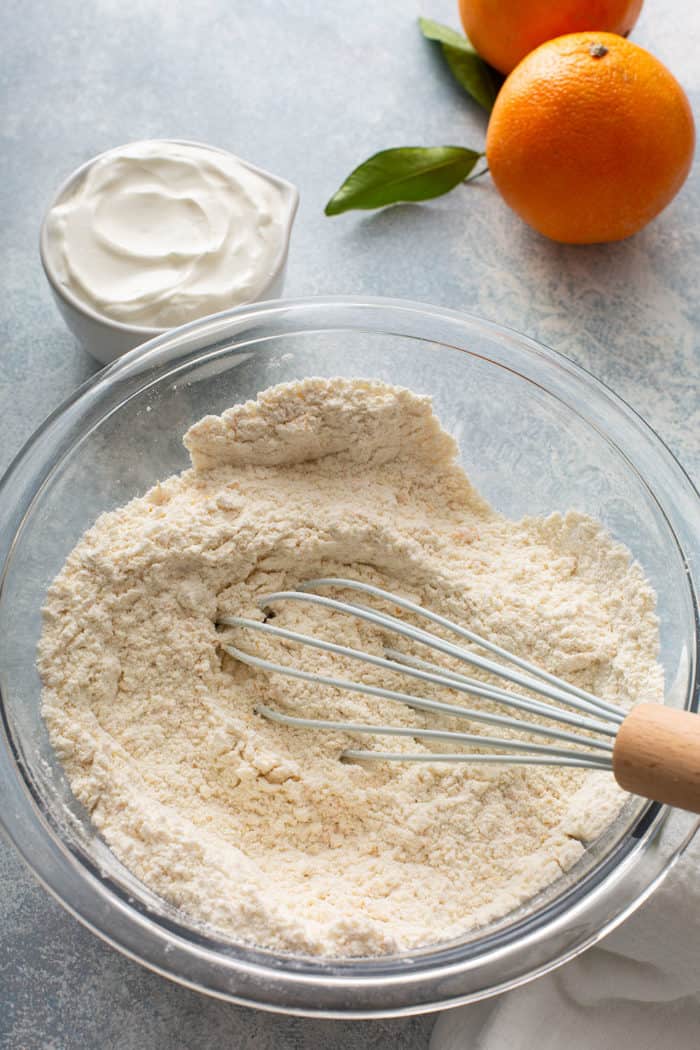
{"points": [[159, 233]]}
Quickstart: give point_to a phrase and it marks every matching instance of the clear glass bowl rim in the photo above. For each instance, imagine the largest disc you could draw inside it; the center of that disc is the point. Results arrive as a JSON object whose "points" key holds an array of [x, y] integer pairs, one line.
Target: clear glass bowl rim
{"points": [[364, 988]]}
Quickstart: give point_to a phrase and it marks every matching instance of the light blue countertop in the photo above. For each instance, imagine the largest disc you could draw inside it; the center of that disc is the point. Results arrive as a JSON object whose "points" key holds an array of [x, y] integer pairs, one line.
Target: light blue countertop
{"points": [[306, 90]]}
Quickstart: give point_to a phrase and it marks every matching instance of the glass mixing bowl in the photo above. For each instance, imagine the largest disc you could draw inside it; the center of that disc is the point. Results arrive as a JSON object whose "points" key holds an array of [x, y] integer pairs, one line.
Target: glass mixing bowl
{"points": [[537, 434]]}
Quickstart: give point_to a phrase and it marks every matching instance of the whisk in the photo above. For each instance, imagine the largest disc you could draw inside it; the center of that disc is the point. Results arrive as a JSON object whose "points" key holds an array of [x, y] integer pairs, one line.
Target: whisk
{"points": [[652, 750]]}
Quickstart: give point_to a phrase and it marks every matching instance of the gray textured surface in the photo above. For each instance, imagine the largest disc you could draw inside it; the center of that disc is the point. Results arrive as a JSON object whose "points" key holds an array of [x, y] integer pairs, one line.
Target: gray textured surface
{"points": [[306, 90]]}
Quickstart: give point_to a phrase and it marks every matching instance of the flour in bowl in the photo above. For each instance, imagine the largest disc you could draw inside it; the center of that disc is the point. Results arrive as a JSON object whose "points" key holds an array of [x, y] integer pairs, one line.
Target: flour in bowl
{"points": [[258, 829]]}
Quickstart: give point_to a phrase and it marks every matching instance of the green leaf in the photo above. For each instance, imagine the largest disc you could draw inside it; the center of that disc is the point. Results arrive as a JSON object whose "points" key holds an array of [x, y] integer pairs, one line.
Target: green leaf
{"points": [[444, 34], [476, 77], [408, 173]]}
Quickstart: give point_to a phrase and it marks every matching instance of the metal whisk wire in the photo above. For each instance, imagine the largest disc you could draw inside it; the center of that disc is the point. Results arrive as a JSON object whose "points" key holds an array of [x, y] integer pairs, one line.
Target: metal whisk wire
{"points": [[606, 721]]}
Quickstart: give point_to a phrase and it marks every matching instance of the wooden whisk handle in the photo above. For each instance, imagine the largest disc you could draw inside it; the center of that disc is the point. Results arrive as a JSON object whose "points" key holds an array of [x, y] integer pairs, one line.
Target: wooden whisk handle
{"points": [[657, 755]]}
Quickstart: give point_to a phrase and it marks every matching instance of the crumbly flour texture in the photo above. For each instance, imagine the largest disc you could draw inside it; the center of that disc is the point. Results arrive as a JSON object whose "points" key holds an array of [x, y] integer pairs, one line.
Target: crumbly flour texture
{"points": [[257, 829]]}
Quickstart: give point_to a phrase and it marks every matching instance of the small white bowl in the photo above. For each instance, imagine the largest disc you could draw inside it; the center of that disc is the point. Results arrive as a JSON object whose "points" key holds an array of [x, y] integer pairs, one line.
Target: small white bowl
{"points": [[103, 337]]}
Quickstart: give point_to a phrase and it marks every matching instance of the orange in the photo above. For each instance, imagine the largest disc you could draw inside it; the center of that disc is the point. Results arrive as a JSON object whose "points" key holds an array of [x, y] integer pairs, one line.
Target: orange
{"points": [[504, 31], [590, 138]]}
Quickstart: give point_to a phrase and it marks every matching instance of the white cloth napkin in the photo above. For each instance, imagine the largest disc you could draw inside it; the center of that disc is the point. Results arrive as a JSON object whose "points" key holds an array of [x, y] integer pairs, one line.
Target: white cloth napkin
{"points": [[639, 989]]}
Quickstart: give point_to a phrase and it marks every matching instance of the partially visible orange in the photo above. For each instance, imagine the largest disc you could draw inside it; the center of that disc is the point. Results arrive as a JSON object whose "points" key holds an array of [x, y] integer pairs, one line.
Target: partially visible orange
{"points": [[590, 138], [504, 31]]}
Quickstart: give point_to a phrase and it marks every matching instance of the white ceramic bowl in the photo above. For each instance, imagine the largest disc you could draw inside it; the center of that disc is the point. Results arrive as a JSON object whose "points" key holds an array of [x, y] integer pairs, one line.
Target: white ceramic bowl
{"points": [[103, 337]]}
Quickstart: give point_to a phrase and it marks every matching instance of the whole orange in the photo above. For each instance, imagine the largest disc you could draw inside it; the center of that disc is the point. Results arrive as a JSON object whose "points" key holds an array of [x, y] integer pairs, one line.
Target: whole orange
{"points": [[504, 31], [590, 138]]}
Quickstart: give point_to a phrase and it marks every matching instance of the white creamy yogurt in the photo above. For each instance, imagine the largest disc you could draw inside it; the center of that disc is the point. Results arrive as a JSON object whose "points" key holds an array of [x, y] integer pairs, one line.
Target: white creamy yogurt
{"points": [[159, 233]]}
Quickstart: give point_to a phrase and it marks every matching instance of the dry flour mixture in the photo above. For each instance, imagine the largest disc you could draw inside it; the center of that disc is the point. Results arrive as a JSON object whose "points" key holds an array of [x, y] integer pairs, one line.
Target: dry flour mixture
{"points": [[259, 829]]}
